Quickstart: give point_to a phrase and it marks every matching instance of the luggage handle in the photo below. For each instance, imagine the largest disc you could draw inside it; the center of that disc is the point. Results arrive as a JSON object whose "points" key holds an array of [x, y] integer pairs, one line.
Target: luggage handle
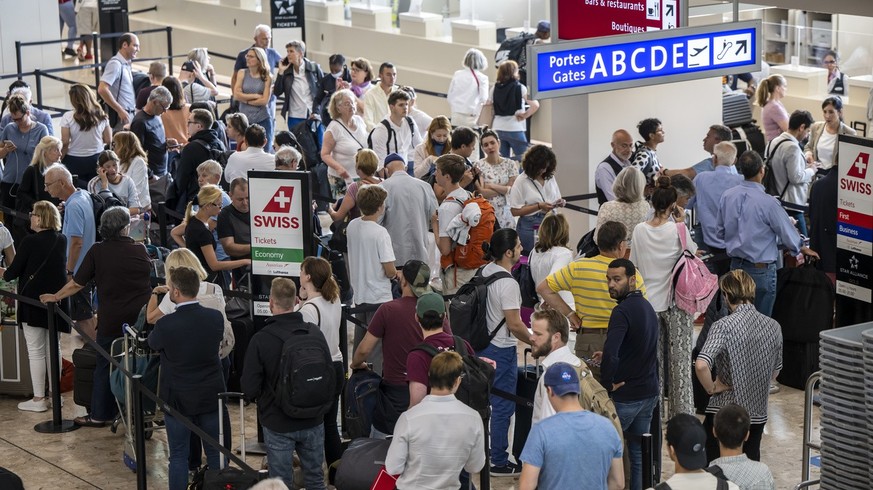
{"points": [[222, 399]]}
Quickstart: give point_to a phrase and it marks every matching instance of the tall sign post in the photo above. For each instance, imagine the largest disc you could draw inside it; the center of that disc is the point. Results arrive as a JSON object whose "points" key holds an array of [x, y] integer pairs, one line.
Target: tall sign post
{"points": [[281, 231], [854, 231], [288, 14]]}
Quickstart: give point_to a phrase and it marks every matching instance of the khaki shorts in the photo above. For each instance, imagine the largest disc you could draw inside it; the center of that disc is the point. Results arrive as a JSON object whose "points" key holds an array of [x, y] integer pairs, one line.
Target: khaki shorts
{"points": [[87, 21]]}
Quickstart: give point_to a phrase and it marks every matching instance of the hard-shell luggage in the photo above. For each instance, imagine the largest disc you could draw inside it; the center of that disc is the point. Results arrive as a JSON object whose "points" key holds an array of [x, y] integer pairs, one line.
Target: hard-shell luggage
{"points": [[525, 387], [14, 364], [361, 463], [85, 360]]}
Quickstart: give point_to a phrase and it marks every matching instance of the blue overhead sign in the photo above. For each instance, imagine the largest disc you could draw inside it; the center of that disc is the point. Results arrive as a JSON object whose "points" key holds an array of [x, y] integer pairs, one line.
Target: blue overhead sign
{"points": [[633, 60]]}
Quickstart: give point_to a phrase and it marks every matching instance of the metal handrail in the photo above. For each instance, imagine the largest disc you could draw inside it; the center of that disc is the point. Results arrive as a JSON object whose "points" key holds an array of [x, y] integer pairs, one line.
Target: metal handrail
{"points": [[808, 395]]}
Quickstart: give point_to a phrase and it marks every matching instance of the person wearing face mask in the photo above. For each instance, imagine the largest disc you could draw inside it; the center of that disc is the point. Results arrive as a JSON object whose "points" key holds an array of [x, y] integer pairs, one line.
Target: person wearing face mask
{"points": [[437, 142], [109, 178], [298, 79], [339, 78]]}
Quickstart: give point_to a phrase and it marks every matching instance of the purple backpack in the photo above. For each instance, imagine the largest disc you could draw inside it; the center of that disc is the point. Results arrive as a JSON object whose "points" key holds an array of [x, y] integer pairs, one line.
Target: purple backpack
{"points": [[693, 284]]}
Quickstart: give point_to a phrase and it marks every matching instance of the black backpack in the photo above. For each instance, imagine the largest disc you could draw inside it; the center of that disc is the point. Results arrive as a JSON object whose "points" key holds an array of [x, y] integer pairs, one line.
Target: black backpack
{"points": [[305, 388], [467, 310], [391, 133], [100, 202], [475, 388], [769, 181], [307, 144], [514, 49]]}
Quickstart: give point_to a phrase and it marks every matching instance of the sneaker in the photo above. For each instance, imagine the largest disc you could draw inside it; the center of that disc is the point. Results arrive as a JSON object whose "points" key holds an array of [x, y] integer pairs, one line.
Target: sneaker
{"points": [[70, 52], [33, 406], [774, 388], [509, 469]]}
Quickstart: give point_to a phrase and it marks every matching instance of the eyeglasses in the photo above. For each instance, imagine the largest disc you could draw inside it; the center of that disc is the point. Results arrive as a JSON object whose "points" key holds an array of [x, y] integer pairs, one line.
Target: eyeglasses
{"points": [[829, 62], [49, 184]]}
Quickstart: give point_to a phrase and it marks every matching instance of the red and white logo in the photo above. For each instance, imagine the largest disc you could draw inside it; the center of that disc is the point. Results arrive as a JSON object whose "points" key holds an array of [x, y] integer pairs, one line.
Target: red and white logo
{"points": [[281, 200], [859, 167]]}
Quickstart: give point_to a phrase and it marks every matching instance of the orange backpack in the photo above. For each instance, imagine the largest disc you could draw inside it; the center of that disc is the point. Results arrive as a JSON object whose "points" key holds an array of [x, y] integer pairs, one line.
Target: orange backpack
{"points": [[471, 255]]}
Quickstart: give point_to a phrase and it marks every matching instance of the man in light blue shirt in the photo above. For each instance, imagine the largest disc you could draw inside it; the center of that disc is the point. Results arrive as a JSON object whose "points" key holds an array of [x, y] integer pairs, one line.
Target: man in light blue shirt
{"points": [[716, 134], [710, 187], [752, 225]]}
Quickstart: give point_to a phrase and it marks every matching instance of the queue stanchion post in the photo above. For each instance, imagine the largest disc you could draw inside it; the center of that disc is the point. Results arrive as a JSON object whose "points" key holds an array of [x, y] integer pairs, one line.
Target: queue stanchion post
{"points": [[139, 432], [57, 424], [648, 461]]}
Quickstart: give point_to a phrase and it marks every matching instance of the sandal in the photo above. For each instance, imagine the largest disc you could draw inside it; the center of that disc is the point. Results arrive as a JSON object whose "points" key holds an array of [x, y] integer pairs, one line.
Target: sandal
{"points": [[87, 421]]}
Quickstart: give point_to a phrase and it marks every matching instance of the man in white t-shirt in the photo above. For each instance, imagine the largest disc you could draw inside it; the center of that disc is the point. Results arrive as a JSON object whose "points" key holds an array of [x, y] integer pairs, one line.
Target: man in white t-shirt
{"points": [[549, 334], [252, 158], [504, 323], [397, 133], [370, 260]]}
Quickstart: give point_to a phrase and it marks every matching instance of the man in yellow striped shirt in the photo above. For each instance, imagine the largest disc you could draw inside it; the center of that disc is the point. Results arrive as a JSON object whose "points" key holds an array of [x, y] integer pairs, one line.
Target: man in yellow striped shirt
{"points": [[585, 278]]}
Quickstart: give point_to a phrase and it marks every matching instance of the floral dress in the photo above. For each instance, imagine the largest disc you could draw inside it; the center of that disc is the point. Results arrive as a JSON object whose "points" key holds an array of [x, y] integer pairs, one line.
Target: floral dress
{"points": [[499, 174]]}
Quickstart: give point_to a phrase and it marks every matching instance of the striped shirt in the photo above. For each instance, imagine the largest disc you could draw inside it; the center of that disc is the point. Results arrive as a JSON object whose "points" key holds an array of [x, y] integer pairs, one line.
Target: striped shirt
{"points": [[586, 280], [747, 474], [746, 349]]}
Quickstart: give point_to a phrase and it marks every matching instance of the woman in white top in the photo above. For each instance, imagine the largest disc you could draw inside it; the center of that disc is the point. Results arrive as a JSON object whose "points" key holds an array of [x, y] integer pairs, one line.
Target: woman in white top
{"points": [[468, 90], [497, 174], [132, 164], [656, 249], [629, 207], [551, 252], [822, 147], [85, 132], [109, 178], [322, 307], [534, 193], [344, 136], [512, 105]]}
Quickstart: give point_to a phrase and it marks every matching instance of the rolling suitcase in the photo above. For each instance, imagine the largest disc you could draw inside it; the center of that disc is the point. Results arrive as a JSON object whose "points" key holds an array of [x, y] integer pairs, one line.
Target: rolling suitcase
{"points": [[229, 478], [243, 329], [84, 360], [14, 364], [361, 463], [525, 387]]}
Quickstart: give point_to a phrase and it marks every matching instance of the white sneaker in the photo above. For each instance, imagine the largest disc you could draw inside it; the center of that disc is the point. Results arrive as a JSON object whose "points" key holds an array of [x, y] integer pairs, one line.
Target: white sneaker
{"points": [[33, 406], [48, 401]]}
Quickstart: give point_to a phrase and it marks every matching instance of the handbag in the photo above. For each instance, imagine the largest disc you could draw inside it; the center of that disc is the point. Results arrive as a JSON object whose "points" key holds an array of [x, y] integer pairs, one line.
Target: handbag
{"points": [[238, 303], [486, 115], [159, 188], [80, 305]]}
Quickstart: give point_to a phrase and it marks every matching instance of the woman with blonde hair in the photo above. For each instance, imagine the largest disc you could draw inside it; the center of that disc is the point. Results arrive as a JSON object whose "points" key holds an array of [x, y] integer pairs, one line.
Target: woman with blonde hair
{"points": [[40, 268], [133, 164], [344, 137], [366, 165], [200, 57], [85, 131], [200, 240], [437, 142], [253, 88], [322, 306], [32, 188], [769, 97], [630, 207]]}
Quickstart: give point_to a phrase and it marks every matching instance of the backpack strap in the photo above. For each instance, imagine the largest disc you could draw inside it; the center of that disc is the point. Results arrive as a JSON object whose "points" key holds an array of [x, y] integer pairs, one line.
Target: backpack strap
{"points": [[317, 311], [681, 229], [429, 349], [460, 348], [770, 162], [412, 129], [489, 281], [716, 471]]}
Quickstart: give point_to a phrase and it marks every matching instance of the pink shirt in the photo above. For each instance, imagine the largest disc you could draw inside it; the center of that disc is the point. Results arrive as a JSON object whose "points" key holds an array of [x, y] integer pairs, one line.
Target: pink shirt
{"points": [[773, 112]]}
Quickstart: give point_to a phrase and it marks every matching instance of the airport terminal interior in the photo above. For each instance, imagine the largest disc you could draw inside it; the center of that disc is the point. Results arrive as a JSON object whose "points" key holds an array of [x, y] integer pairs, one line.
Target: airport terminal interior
{"points": [[426, 40]]}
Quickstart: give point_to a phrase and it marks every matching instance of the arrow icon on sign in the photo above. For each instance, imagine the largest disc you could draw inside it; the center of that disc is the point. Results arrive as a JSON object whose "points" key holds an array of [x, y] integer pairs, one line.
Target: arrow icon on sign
{"points": [[742, 45], [669, 10]]}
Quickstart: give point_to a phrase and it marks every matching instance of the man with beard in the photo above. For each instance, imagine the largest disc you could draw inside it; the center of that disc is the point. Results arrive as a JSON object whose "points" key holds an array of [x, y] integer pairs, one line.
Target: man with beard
{"points": [[550, 331]]}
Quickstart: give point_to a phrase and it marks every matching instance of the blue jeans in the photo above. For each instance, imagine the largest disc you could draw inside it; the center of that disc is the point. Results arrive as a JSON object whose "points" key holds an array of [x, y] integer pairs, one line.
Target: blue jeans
{"points": [[294, 121], [505, 378], [801, 222], [309, 444], [67, 12], [179, 440], [636, 419], [765, 283], [103, 405], [514, 140], [268, 124], [525, 229]]}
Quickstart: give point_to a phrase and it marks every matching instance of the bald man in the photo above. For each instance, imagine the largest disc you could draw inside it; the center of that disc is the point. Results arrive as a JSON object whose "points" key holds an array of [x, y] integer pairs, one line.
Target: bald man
{"points": [[622, 148]]}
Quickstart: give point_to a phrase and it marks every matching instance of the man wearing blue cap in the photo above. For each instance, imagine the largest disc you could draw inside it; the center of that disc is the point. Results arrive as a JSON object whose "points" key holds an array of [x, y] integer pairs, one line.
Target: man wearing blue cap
{"points": [[574, 448]]}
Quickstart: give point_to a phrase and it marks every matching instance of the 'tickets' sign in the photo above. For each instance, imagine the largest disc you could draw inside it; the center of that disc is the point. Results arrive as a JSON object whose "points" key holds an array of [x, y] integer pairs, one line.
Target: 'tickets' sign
{"points": [[277, 216], [855, 219], [583, 19]]}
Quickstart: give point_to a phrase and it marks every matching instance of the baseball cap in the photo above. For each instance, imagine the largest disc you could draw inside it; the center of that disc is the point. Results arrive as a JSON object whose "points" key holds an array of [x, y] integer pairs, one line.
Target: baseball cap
{"points": [[688, 438], [561, 378], [430, 302], [188, 66], [417, 274], [544, 26], [393, 157]]}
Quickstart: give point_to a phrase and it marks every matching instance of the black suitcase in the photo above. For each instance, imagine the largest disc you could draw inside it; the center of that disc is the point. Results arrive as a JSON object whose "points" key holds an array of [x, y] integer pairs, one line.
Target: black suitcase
{"points": [[229, 478], [243, 329], [525, 387], [84, 360], [361, 463], [799, 361]]}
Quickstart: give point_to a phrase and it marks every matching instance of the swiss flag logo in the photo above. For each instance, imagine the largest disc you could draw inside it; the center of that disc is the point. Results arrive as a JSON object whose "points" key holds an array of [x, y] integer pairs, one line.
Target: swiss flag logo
{"points": [[281, 200], [859, 167]]}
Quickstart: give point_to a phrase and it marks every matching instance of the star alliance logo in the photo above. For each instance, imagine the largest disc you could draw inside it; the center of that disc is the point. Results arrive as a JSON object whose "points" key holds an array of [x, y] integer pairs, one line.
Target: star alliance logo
{"points": [[853, 262], [285, 7]]}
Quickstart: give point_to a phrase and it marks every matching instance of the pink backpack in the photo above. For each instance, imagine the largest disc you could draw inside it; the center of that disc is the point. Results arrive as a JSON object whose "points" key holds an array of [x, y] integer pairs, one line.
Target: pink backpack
{"points": [[693, 284]]}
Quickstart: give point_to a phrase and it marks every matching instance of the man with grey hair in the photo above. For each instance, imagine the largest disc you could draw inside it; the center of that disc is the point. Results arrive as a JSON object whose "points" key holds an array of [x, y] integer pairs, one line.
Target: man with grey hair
{"points": [[287, 158], [604, 177], [710, 186], [298, 79], [717, 133], [36, 113], [148, 127], [408, 210], [116, 84]]}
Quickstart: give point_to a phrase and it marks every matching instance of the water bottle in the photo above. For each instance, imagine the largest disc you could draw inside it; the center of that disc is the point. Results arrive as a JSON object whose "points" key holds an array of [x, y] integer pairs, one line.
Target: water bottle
{"points": [[536, 233]]}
